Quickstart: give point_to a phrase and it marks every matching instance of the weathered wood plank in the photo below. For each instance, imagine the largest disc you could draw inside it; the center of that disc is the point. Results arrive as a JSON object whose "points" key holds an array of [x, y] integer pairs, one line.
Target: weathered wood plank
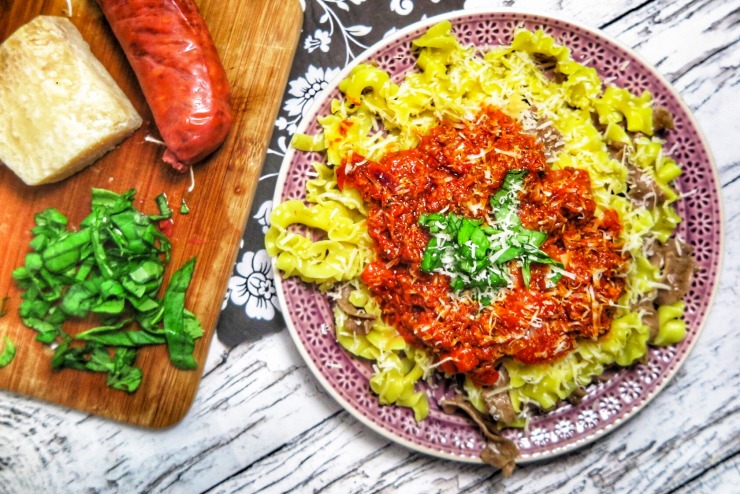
{"points": [[716, 478], [245, 406]]}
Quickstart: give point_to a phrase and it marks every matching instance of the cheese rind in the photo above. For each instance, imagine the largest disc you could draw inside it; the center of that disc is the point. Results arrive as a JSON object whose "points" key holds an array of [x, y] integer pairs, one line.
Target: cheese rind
{"points": [[60, 109]]}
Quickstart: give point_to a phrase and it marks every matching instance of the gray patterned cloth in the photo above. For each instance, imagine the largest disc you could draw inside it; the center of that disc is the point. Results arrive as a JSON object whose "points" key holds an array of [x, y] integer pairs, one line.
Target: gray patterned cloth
{"points": [[334, 33]]}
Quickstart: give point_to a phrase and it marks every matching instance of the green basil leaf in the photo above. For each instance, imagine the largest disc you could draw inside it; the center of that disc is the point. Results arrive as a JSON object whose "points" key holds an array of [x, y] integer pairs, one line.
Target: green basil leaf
{"points": [[8, 353], [179, 344], [124, 376]]}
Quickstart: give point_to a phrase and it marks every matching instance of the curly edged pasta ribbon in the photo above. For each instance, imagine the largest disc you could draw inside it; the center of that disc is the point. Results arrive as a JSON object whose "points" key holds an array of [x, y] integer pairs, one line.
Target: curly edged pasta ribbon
{"points": [[397, 366], [648, 155], [671, 326], [306, 142], [581, 85], [437, 45], [340, 255], [323, 189], [617, 104], [365, 84], [547, 384], [395, 384]]}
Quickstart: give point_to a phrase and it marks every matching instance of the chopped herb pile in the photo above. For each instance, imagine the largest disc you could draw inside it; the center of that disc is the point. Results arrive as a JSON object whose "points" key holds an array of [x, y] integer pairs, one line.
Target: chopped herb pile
{"points": [[476, 255], [112, 269]]}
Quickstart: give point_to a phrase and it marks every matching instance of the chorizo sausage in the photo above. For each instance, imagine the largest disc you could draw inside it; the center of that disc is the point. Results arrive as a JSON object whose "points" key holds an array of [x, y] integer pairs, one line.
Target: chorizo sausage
{"points": [[170, 49]]}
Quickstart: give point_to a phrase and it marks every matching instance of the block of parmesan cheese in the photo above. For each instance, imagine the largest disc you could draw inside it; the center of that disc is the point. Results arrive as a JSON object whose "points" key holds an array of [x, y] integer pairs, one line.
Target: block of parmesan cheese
{"points": [[60, 109]]}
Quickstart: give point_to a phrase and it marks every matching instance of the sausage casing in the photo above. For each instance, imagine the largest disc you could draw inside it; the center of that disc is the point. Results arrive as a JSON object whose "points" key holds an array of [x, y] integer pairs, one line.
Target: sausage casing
{"points": [[171, 51]]}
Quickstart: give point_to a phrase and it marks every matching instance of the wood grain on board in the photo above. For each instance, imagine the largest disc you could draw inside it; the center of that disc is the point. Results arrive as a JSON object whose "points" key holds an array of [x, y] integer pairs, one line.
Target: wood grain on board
{"points": [[256, 40]]}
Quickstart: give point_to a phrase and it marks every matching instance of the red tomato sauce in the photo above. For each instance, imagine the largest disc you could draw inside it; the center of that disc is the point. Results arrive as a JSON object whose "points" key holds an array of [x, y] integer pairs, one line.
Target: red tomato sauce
{"points": [[457, 168]]}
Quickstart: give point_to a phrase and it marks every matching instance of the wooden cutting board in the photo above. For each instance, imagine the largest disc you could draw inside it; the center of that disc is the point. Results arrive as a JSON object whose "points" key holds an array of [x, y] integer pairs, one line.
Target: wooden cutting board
{"points": [[256, 40]]}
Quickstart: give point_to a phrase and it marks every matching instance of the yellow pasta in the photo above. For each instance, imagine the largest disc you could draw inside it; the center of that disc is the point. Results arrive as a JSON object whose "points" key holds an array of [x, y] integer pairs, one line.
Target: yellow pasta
{"points": [[397, 367], [617, 104], [547, 384], [671, 328], [340, 256], [323, 189]]}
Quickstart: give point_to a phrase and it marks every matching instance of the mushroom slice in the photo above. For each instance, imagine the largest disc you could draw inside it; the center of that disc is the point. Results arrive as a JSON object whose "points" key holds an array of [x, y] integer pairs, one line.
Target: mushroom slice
{"points": [[678, 267], [499, 452], [643, 190], [498, 401], [500, 407], [358, 320], [662, 119], [646, 307]]}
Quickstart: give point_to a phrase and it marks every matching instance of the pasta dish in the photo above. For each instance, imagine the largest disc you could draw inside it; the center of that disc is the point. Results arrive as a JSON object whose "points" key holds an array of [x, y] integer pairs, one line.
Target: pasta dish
{"points": [[503, 218]]}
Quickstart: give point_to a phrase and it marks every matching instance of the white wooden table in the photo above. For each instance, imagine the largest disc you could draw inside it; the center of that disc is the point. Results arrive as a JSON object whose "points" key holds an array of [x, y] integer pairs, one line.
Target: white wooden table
{"points": [[261, 422]]}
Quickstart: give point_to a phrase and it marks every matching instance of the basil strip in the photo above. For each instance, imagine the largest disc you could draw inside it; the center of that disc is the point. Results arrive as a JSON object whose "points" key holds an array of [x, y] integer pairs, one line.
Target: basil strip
{"points": [[122, 374], [8, 353], [165, 211], [128, 339], [179, 343]]}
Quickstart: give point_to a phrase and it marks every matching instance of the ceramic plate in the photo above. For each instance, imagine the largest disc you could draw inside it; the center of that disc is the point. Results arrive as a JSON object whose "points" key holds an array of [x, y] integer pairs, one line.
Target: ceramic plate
{"points": [[608, 404]]}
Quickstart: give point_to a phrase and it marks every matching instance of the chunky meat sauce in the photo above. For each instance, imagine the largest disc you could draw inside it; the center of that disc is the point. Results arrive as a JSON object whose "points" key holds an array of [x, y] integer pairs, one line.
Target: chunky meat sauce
{"points": [[457, 168]]}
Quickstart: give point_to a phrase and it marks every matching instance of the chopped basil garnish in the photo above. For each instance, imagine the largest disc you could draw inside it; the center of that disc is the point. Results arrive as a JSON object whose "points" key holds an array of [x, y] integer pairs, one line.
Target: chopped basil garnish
{"points": [[164, 208], [179, 342], [113, 268], [475, 255]]}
